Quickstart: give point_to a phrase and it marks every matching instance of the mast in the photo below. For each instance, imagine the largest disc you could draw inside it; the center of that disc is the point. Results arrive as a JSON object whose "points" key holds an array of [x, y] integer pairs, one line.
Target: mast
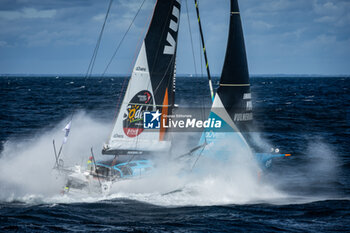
{"points": [[151, 87], [204, 52]]}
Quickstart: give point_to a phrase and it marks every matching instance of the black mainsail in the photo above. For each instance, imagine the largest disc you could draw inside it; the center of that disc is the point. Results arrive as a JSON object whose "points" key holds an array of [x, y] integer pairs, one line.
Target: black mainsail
{"points": [[151, 87], [232, 103], [234, 89]]}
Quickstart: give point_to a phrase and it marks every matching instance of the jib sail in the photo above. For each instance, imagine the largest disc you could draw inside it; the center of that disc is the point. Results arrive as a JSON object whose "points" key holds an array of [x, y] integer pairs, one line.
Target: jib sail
{"points": [[151, 87]]}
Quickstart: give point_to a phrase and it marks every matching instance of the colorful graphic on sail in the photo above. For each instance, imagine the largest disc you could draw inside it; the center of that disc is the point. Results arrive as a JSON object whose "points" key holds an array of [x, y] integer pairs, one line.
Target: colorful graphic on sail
{"points": [[133, 118]]}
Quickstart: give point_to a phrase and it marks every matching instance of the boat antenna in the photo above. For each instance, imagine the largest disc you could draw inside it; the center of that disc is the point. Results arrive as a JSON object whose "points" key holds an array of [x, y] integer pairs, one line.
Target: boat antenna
{"points": [[204, 52]]}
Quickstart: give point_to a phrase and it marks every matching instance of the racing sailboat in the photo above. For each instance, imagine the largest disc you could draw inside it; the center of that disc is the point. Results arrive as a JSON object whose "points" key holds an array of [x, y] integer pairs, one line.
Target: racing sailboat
{"points": [[151, 89]]}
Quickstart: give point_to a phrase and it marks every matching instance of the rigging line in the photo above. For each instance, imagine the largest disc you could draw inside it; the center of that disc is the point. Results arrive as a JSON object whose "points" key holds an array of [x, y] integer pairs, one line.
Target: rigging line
{"points": [[201, 70], [200, 154], [131, 67], [165, 74], [132, 64], [189, 28], [131, 159], [93, 58], [200, 55], [122, 40], [191, 151], [204, 51], [202, 74]]}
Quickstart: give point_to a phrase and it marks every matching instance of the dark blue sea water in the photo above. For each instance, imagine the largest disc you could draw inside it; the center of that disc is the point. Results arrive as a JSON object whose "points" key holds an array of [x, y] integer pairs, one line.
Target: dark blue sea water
{"points": [[306, 116]]}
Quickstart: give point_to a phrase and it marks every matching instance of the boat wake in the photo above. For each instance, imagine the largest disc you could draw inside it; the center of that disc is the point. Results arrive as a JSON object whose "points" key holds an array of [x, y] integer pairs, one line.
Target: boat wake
{"points": [[27, 175]]}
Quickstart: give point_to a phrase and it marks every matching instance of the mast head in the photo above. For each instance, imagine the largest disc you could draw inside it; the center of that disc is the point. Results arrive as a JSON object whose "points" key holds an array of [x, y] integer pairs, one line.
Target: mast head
{"points": [[234, 6]]}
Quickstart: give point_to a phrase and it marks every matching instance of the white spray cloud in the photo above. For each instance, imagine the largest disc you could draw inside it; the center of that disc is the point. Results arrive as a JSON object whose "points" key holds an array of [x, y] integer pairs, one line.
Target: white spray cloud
{"points": [[26, 165], [234, 181], [310, 176], [27, 175], [26, 171]]}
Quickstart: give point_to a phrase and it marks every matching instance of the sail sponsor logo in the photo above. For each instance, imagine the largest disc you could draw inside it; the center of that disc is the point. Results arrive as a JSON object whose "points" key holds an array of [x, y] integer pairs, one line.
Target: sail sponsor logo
{"points": [[247, 96], [134, 113], [118, 136], [145, 97], [249, 106], [139, 68], [243, 117], [174, 26]]}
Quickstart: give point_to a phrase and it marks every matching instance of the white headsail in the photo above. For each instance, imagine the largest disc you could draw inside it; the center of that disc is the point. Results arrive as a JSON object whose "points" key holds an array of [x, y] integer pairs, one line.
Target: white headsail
{"points": [[151, 86]]}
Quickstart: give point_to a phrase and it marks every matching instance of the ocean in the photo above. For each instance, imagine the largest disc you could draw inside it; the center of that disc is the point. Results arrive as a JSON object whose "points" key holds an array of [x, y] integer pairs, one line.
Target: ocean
{"points": [[308, 117]]}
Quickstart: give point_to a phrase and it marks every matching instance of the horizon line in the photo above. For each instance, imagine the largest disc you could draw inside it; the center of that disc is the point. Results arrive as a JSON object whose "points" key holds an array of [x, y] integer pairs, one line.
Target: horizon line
{"points": [[178, 75]]}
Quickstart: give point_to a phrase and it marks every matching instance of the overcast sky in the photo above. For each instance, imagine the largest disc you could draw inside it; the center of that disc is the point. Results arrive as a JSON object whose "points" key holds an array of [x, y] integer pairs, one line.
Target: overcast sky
{"points": [[282, 36]]}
